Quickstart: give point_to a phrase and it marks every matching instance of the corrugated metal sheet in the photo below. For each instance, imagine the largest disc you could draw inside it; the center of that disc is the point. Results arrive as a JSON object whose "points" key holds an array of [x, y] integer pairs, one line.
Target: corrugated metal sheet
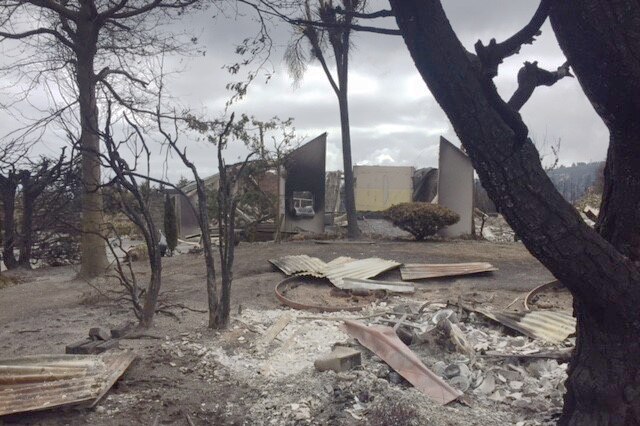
{"points": [[362, 268], [300, 265], [384, 342], [335, 270], [44, 381], [389, 286], [551, 326], [419, 271], [304, 265], [342, 260]]}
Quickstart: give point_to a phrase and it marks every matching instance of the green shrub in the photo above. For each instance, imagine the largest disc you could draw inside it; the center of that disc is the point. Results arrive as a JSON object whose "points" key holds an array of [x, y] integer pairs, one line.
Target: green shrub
{"points": [[421, 219]]}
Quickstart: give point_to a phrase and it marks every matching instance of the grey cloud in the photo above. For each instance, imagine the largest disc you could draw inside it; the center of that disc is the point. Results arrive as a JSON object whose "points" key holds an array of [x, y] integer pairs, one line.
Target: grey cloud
{"points": [[397, 117]]}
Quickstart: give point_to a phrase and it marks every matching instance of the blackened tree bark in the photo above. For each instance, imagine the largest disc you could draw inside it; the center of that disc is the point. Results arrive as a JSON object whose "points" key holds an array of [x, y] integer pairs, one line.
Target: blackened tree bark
{"points": [[604, 377], [8, 189], [134, 202], [601, 41]]}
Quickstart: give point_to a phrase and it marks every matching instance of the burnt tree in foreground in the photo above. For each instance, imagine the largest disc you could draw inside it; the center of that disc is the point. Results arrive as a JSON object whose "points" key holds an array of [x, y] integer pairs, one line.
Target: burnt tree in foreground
{"points": [[601, 41], [130, 187], [100, 45]]}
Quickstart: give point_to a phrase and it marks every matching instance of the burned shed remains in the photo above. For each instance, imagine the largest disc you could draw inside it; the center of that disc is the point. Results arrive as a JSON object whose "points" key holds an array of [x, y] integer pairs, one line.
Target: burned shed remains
{"points": [[297, 198]]}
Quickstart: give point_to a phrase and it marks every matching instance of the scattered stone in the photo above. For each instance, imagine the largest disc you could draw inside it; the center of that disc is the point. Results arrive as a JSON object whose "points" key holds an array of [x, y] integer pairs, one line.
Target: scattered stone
{"points": [[516, 385], [487, 386], [340, 359], [460, 382], [395, 378]]}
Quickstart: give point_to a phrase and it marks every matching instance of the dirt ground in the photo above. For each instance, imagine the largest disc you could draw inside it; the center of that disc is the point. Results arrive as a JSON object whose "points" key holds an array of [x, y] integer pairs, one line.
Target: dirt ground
{"points": [[221, 377]]}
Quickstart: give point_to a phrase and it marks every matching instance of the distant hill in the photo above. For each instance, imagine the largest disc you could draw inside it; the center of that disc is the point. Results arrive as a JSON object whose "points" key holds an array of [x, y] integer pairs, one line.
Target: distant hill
{"points": [[574, 181]]}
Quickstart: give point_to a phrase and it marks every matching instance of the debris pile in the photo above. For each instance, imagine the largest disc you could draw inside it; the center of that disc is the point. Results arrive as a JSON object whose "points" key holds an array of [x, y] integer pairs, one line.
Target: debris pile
{"points": [[309, 368], [495, 229]]}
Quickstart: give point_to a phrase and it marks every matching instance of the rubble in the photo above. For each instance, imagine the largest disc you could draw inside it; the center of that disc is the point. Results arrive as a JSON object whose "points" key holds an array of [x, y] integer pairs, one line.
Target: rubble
{"points": [[294, 391], [340, 359], [495, 229]]}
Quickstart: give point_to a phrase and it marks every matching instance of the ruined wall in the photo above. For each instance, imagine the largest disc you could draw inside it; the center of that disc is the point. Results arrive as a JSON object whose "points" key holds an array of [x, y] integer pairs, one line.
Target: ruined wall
{"points": [[305, 171], [455, 188], [380, 187]]}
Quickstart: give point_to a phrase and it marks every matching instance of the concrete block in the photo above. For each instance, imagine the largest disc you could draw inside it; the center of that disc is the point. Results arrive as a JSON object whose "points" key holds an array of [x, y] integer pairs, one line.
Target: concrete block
{"points": [[340, 359], [99, 333]]}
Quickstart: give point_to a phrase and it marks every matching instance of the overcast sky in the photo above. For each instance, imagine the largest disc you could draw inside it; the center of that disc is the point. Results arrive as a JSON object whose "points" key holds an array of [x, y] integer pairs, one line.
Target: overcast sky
{"points": [[394, 118]]}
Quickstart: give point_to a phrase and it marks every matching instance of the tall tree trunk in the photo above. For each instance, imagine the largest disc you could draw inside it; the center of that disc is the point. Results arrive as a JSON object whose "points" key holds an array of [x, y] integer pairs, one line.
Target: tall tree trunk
{"points": [[8, 186], [603, 385], [92, 245], [26, 240], [602, 388], [601, 41], [619, 219], [588, 32], [349, 182], [345, 130]]}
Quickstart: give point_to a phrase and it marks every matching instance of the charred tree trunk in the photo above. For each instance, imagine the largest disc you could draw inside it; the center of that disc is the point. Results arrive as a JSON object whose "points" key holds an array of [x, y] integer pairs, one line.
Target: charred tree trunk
{"points": [[94, 256], [603, 385], [341, 50], [203, 220], [349, 182], [26, 239], [8, 187], [589, 31], [155, 281], [619, 219]]}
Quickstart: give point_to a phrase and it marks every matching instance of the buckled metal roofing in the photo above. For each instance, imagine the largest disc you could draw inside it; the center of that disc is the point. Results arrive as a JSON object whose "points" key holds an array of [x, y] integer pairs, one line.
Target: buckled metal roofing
{"points": [[418, 271], [300, 265], [552, 326], [362, 269], [41, 382]]}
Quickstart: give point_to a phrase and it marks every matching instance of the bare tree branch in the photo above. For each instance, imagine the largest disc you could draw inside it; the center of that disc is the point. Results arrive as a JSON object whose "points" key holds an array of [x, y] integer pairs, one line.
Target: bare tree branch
{"points": [[492, 55], [531, 76], [35, 32]]}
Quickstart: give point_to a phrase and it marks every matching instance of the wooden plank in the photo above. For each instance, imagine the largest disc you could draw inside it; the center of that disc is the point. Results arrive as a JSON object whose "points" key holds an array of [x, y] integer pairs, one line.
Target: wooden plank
{"points": [[275, 329], [89, 346]]}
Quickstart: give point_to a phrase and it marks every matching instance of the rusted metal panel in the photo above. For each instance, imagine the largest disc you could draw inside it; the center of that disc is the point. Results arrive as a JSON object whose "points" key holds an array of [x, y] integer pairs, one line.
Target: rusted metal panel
{"points": [[553, 285], [373, 285], [419, 271], [360, 269], [384, 342], [283, 286], [551, 326], [45, 381]]}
